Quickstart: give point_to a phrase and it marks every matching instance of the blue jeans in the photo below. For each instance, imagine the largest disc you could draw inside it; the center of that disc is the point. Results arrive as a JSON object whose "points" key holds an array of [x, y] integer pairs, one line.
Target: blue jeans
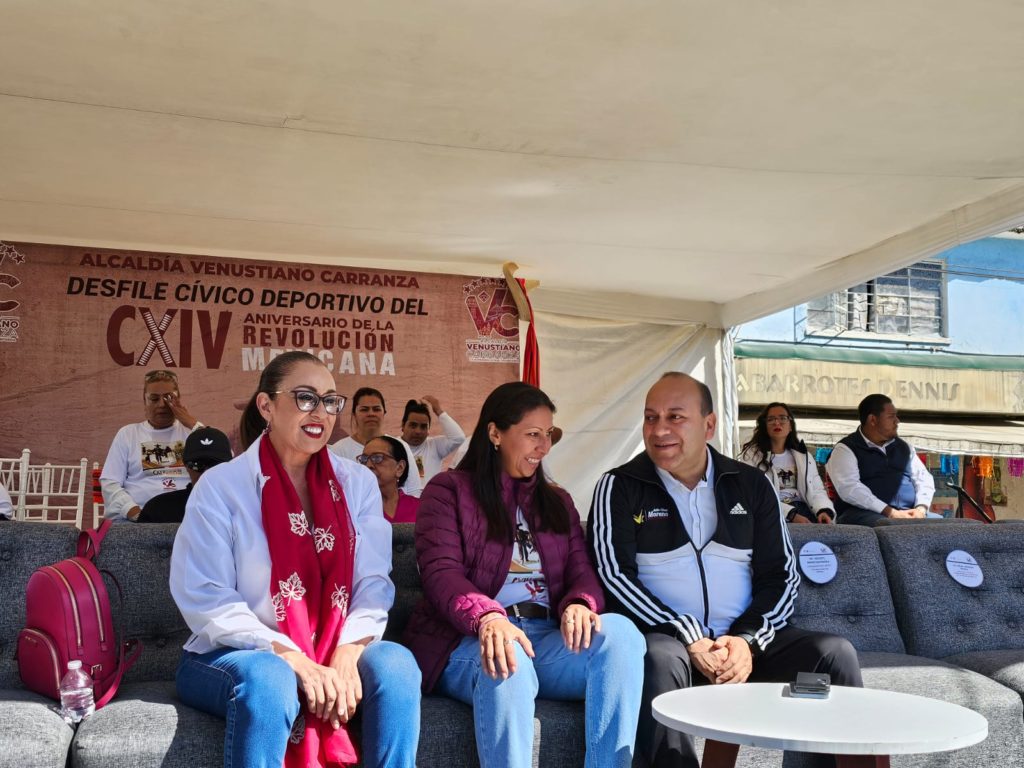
{"points": [[608, 676], [257, 694]]}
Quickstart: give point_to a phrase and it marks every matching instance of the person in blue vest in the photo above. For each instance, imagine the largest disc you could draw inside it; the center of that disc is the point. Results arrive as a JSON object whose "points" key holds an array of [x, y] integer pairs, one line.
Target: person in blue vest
{"points": [[875, 473]]}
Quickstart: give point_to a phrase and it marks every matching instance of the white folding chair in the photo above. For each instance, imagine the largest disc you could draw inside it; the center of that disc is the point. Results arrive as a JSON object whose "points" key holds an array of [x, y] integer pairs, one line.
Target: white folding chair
{"points": [[54, 493], [11, 472]]}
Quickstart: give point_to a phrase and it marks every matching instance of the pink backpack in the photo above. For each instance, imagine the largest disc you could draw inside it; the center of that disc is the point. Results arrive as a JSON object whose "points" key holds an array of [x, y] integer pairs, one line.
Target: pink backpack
{"points": [[67, 616]]}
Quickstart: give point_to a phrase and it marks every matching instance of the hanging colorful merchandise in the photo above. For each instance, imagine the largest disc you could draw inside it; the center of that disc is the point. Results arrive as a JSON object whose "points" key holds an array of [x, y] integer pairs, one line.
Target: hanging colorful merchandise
{"points": [[950, 465], [983, 465], [994, 493], [1015, 467]]}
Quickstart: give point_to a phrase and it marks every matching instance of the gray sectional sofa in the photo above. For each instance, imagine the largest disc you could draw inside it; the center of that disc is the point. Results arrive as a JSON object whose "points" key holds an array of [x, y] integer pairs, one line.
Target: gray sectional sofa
{"points": [[917, 631]]}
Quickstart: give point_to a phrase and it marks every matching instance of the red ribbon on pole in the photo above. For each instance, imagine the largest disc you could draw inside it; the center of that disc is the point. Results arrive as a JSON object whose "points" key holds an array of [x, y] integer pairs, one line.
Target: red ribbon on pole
{"points": [[531, 352]]}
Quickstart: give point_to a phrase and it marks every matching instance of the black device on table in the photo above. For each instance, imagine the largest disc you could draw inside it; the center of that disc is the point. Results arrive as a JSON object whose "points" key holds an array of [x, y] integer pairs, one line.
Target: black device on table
{"points": [[810, 685]]}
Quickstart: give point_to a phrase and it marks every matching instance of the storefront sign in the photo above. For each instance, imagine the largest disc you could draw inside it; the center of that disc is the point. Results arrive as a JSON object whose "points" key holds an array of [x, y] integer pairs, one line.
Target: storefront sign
{"points": [[82, 326], [818, 562], [964, 569], [843, 385]]}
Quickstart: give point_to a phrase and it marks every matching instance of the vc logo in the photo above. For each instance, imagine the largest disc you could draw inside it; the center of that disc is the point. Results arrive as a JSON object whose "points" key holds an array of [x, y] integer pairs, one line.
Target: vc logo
{"points": [[491, 307]]}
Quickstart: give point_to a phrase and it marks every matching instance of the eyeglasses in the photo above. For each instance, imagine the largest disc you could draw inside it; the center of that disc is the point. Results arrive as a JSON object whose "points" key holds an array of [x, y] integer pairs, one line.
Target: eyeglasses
{"points": [[777, 419], [306, 400], [373, 458]]}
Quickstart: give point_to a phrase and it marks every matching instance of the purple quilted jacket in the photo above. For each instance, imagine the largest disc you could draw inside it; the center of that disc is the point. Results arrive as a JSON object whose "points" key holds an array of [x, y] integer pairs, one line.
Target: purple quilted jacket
{"points": [[462, 570]]}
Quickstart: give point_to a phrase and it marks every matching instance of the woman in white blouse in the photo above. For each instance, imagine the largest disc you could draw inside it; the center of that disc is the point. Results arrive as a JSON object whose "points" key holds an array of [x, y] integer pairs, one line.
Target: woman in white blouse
{"points": [[776, 450], [280, 569]]}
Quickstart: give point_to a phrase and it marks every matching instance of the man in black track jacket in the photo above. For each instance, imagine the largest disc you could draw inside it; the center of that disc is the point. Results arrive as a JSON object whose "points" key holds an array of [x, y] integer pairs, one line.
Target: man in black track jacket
{"points": [[692, 546]]}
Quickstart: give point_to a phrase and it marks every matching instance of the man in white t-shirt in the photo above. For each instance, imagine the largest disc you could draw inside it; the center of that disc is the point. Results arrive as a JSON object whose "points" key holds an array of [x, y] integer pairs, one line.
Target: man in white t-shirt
{"points": [[145, 459], [429, 452]]}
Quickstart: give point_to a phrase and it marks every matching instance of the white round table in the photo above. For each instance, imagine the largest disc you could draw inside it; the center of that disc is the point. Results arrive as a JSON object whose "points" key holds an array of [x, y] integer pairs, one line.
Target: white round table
{"points": [[852, 721]]}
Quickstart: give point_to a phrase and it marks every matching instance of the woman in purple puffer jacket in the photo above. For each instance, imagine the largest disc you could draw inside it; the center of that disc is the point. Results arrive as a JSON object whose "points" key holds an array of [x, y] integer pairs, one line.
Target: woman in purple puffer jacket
{"points": [[511, 607]]}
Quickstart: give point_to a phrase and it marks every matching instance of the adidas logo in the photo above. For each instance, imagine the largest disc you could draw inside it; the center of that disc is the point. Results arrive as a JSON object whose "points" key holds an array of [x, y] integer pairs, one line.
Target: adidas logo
{"points": [[207, 441], [738, 510]]}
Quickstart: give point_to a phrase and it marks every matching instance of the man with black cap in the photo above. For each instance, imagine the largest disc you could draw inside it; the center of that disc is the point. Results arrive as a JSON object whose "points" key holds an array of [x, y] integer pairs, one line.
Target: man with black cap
{"points": [[204, 448]]}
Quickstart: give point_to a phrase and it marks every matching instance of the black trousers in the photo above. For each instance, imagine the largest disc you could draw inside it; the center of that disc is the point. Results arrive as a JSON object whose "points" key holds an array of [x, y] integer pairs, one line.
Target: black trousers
{"points": [[859, 516], [667, 668]]}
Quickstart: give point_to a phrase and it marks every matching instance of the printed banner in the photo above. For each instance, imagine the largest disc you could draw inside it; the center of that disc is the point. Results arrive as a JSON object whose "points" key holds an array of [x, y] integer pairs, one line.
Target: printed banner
{"points": [[80, 326]]}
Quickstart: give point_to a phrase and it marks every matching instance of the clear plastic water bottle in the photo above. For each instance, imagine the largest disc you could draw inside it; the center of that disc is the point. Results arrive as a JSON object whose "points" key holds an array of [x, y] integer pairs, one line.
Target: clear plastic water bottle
{"points": [[76, 699]]}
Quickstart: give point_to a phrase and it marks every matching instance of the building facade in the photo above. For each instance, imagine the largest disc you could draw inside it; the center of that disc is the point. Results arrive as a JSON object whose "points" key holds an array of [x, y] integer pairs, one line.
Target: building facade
{"points": [[941, 338]]}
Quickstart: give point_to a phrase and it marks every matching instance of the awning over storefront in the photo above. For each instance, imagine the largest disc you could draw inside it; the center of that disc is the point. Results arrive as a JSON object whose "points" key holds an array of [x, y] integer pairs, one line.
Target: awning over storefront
{"points": [[980, 438], [977, 386]]}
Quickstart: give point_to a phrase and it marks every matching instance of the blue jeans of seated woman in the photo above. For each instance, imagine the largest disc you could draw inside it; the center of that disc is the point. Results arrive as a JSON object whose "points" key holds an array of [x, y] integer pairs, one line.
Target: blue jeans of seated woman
{"points": [[257, 694], [608, 676]]}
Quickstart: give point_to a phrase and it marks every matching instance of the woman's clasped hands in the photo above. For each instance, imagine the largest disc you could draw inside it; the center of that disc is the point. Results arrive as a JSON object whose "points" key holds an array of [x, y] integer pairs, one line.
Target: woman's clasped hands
{"points": [[333, 692]]}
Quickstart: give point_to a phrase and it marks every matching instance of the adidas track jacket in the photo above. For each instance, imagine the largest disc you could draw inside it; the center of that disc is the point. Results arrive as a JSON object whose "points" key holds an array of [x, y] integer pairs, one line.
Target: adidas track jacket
{"points": [[742, 582]]}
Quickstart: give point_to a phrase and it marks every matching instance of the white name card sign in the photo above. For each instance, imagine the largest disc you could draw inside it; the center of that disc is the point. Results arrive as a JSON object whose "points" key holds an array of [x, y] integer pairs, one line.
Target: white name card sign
{"points": [[964, 569], [818, 562]]}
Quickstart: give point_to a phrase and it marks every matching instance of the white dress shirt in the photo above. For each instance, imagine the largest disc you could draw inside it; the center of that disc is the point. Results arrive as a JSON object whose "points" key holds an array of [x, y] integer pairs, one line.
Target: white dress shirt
{"points": [[844, 471], [220, 567], [697, 507]]}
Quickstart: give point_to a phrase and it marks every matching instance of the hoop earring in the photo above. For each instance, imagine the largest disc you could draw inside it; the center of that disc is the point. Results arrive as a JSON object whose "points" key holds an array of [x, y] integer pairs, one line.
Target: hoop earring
{"points": [[266, 429], [495, 447]]}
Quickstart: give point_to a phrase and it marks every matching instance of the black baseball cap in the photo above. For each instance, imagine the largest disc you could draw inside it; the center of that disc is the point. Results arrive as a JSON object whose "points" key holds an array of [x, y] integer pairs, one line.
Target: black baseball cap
{"points": [[207, 447]]}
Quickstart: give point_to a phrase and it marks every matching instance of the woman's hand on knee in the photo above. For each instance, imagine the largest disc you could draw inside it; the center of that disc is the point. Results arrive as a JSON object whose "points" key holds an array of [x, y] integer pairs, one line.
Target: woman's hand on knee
{"points": [[318, 684], [344, 661], [497, 647], [577, 622]]}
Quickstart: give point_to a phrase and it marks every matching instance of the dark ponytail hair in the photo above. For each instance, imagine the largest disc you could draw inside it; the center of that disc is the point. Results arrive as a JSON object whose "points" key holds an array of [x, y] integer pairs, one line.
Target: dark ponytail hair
{"points": [[506, 406], [762, 441], [253, 423], [397, 453]]}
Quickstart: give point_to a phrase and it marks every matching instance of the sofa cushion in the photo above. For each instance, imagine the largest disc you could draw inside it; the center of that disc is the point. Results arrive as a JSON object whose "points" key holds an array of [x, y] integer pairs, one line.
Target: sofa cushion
{"points": [[1002, 707], [1005, 667], [446, 734], [406, 576], [146, 726], [24, 547], [32, 734], [139, 557], [940, 618], [856, 604]]}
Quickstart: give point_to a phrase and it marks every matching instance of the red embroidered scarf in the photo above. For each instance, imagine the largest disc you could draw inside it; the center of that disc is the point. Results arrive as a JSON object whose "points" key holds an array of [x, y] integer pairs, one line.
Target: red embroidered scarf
{"points": [[311, 559]]}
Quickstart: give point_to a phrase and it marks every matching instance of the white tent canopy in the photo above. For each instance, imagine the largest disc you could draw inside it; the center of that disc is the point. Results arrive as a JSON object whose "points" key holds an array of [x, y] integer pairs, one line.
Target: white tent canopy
{"points": [[661, 163]]}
